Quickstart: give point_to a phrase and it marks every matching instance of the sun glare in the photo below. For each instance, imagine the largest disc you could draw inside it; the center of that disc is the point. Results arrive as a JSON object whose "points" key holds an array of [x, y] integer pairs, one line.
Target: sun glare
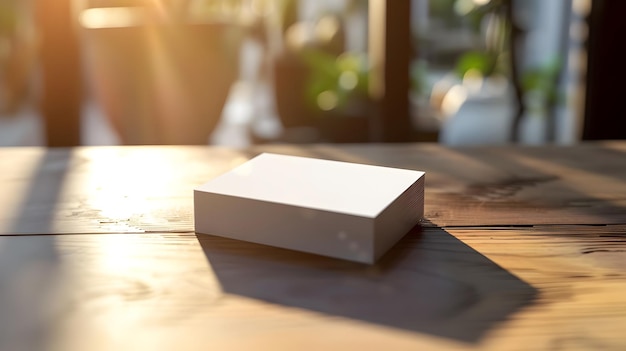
{"points": [[122, 189], [113, 17]]}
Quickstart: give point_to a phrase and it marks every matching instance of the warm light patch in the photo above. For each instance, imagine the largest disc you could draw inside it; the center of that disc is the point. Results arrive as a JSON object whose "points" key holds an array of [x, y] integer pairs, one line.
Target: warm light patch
{"points": [[263, 7], [348, 80], [121, 253], [120, 186], [113, 17], [327, 100], [473, 80], [327, 28], [481, 2], [453, 100]]}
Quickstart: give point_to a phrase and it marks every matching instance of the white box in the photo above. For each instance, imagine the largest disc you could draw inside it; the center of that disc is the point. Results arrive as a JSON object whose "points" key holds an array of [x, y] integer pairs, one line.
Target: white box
{"points": [[344, 210]]}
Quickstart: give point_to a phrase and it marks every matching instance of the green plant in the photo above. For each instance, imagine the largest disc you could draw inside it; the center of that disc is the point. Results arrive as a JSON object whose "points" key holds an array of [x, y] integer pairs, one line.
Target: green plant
{"points": [[491, 18], [479, 61], [542, 80], [536, 87], [334, 82]]}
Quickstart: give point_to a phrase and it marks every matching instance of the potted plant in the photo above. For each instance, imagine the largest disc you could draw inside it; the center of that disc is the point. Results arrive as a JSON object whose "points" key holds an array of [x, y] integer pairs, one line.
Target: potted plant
{"points": [[529, 90], [318, 85], [161, 75]]}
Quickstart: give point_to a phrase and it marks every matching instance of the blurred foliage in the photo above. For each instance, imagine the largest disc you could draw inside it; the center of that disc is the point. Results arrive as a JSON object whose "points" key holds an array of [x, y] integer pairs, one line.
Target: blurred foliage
{"points": [[336, 80], [483, 62], [488, 20], [541, 81], [535, 88], [341, 79]]}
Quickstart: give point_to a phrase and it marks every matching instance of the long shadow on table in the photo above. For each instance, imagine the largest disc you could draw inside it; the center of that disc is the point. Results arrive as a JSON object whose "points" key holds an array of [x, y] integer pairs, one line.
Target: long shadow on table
{"points": [[430, 282], [35, 211], [30, 266]]}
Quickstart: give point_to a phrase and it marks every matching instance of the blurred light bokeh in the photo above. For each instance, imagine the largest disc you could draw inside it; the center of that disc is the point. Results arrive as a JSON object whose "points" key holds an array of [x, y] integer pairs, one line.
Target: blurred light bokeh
{"points": [[237, 72]]}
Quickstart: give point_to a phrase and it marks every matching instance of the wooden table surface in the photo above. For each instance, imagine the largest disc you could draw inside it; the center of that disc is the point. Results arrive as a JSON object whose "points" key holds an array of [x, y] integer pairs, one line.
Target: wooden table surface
{"points": [[521, 248]]}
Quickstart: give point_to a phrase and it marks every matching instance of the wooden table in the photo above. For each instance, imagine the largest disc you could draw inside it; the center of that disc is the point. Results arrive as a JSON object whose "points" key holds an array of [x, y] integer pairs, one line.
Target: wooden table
{"points": [[522, 248]]}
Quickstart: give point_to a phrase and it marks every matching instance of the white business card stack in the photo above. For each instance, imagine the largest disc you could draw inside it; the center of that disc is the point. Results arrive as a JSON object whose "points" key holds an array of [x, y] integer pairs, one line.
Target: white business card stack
{"points": [[338, 209]]}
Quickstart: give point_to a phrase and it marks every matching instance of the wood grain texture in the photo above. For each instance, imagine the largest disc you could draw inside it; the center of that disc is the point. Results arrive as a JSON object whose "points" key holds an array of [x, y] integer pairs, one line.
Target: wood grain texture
{"points": [[149, 189], [507, 185], [105, 190], [522, 248], [557, 288]]}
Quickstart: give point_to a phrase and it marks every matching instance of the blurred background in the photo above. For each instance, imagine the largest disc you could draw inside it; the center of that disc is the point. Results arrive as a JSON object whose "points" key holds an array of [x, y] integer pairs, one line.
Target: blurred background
{"points": [[241, 72]]}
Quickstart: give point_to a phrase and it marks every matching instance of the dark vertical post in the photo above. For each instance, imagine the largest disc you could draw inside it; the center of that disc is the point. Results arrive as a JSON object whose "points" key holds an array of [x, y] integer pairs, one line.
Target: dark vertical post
{"points": [[61, 79], [516, 40], [606, 72], [389, 52]]}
